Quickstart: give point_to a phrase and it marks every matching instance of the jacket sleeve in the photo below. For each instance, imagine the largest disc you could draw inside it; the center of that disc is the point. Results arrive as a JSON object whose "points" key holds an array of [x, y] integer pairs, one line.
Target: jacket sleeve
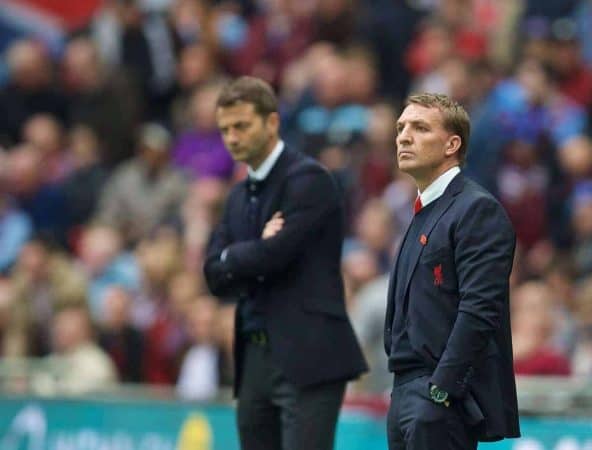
{"points": [[220, 282], [483, 254], [310, 195]]}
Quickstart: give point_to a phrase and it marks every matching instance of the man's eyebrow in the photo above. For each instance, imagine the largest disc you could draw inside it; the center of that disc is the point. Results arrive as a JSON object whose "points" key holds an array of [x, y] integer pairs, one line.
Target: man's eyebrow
{"points": [[412, 122]]}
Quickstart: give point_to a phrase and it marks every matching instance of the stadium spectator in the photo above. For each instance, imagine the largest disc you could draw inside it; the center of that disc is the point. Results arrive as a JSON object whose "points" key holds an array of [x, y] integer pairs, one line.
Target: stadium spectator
{"points": [[197, 67], [14, 334], [79, 365], [375, 232], [581, 222], [376, 161], [31, 89], [45, 133], [198, 378], [201, 211], [44, 203], [15, 230], [84, 185], [123, 342], [367, 315], [359, 265], [532, 328], [44, 280], [325, 115], [106, 101], [156, 312], [105, 263], [145, 191], [199, 151], [145, 45]]}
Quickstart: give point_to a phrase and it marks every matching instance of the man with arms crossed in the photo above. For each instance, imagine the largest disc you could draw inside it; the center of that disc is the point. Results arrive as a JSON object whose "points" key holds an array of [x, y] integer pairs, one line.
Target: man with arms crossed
{"points": [[277, 249], [447, 329]]}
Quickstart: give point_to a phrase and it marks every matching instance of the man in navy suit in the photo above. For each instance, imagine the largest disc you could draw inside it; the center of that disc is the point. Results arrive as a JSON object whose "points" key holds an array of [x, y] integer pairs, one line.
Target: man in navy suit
{"points": [[277, 249], [447, 329]]}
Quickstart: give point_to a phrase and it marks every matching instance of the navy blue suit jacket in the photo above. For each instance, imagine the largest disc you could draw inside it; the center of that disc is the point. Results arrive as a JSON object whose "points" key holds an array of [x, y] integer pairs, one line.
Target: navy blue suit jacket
{"points": [[296, 274], [458, 317]]}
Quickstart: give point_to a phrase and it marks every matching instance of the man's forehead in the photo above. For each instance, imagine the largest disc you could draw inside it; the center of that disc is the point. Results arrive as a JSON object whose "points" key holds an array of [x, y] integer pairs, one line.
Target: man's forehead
{"points": [[420, 113], [236, 109]]}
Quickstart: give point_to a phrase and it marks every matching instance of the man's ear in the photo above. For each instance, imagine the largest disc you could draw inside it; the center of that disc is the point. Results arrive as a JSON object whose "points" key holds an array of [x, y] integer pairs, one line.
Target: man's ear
{"points": [[273, 122], [453, 145]]}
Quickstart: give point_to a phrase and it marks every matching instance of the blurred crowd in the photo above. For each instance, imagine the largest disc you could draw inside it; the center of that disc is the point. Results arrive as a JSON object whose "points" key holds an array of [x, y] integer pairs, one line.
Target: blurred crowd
{"points": [[113, 173]]}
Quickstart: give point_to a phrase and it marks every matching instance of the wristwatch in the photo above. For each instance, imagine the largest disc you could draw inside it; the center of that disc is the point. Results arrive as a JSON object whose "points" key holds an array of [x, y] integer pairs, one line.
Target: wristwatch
{"points": [[439, 396]]}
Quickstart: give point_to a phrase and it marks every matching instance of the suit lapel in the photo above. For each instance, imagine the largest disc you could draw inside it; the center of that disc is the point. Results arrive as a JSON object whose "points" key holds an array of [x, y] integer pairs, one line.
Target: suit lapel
{"points": [[442, 204]]}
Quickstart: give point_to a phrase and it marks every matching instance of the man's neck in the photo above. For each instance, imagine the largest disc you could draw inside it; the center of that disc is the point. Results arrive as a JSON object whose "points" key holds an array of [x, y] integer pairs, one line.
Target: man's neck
{"points": [[424, 183], [271, 145]]}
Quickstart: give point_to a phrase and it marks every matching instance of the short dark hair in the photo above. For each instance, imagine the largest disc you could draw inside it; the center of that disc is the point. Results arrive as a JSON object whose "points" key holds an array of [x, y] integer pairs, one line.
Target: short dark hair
{"points": [[251, 90], [456, 119]]}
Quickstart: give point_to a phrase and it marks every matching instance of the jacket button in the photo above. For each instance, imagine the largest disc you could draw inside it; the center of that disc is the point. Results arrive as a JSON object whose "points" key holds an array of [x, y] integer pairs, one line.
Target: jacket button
{"points": [[229, 276]]}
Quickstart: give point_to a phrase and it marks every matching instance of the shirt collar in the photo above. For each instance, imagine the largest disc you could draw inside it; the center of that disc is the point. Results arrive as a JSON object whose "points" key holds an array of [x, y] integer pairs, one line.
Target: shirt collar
{"points": [[435, 190], [261, 173]]}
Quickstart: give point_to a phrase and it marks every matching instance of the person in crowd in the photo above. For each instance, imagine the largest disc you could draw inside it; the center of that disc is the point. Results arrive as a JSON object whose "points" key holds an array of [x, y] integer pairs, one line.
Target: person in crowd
{"points": [[44, 280], [533, 326], [46, 134], [105, 263], [106, 101], [145, 191], [83, 187], [77, 364], [122, 341], [199, 151], [44, 203], [30, 89], [198, 379]]}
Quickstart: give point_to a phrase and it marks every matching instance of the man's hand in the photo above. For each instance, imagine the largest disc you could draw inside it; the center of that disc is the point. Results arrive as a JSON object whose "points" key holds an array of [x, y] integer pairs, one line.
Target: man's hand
{"points": [[273, 226]]}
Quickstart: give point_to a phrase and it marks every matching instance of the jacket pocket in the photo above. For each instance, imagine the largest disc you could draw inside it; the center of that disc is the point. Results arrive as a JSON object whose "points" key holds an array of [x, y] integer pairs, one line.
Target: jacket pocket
{"points": [[471, 410]]}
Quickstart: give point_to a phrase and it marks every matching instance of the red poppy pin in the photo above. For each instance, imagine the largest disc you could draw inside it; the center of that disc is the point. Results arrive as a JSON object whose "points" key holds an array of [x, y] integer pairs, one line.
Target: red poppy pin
{"points": [[438, 276], [423, 239]]}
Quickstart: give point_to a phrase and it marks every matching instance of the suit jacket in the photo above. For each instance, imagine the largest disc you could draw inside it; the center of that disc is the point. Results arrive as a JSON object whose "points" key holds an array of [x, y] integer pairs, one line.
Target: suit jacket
{"points": [[458, 317], [296, 274]]}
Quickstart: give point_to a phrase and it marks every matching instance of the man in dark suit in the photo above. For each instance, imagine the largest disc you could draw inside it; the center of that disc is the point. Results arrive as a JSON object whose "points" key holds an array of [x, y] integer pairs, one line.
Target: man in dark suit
{"points": [[447, 329], [277, 249]]}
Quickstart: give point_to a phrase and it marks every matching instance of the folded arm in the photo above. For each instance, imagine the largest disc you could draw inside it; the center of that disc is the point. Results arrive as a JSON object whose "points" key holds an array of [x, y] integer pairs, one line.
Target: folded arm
{"points": [[219, 281], [309, 197]]}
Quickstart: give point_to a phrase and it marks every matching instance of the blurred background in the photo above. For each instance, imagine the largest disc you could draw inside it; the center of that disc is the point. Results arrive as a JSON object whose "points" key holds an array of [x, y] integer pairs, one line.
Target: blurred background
{"points": [[112, 175]]}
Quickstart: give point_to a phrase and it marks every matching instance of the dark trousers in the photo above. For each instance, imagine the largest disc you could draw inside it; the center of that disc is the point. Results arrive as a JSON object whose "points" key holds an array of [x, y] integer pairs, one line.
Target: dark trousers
{"points": [[273, 414], [415, 422]]}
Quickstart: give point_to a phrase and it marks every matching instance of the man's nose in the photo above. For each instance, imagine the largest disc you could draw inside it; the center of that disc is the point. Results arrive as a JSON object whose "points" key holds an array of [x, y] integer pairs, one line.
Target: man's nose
{"points": [[403, 137], [232, 137]]}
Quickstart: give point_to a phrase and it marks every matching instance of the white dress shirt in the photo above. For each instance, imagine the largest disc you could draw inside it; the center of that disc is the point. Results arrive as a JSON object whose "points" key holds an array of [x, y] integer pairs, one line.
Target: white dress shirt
{"points": [[266, 166], [435, 190]]}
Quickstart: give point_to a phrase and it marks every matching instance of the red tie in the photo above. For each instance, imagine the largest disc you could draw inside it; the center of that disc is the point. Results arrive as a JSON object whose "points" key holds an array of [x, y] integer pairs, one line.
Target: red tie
{"points": [[417, 205]]}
